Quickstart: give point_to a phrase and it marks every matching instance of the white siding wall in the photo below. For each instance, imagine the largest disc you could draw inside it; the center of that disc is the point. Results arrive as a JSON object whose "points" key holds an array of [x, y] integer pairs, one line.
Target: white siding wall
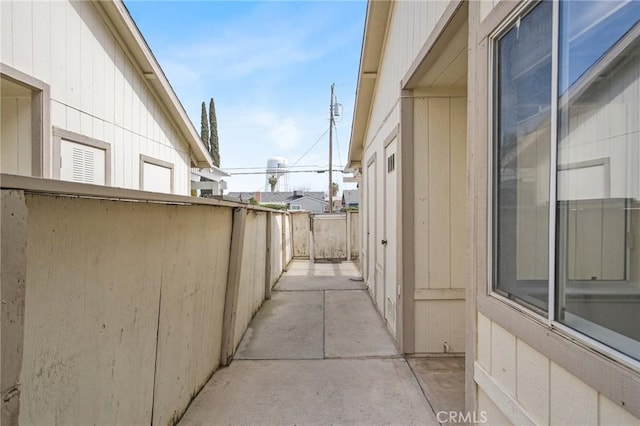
{"points": [[516, 383], [409, 27], [96, 90]]}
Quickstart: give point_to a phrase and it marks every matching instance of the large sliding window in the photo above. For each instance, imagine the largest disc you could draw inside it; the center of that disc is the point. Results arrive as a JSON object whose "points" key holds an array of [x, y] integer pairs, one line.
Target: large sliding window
{"points": [[567, 135], [521, 160]]}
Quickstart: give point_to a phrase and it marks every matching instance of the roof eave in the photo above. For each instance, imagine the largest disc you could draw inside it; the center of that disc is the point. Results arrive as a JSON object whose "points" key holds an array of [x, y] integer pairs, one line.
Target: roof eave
{"points": [[372, 46]]}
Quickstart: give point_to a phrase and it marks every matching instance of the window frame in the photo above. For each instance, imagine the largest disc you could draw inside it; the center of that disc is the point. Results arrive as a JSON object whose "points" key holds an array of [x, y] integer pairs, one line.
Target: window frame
{"points": [[156, 162], [40, 118], [59, 134], [528, 322]]}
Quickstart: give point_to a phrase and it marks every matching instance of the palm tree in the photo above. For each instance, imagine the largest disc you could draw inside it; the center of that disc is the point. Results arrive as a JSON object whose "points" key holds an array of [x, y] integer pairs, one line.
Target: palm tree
{"points": [[273, 181]]}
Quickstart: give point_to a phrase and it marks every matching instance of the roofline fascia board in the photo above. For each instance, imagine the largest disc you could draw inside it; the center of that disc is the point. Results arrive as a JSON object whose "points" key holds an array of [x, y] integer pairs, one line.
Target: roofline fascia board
{"points": [[152, 74], [377, 16]]}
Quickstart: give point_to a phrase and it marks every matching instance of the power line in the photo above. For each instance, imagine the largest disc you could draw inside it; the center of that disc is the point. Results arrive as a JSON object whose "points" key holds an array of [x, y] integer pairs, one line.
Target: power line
{"points": [[312, 146], [338, 145], [290, 171], [264, 168]]}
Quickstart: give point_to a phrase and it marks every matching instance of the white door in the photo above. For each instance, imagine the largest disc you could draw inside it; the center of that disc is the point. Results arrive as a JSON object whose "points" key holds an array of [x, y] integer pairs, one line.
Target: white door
{"points": [[371, 227], [390, 240]]}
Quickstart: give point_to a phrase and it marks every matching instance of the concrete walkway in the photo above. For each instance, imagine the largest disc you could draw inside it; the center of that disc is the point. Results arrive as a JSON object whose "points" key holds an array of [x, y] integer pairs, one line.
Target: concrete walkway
{"points": [[319, 353]]}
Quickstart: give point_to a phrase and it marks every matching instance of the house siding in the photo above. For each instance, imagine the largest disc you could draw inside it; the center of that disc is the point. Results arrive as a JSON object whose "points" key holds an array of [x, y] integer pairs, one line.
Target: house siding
{"points": [[521, 383], [439, 136], [520, 370], [96, 88]]}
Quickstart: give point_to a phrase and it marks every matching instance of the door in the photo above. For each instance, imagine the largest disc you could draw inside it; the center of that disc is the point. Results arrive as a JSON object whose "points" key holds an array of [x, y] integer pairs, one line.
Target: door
{"points": [[371, 227], [389, 241]]}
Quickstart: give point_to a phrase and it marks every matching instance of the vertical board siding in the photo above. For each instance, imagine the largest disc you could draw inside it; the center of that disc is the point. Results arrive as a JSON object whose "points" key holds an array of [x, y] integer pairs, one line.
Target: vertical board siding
{"points": [[16, 153], [440, 188], [409, 27], [421, 190], [95, 87], [22, 36], [301, 229], [439, 193], [6, 40], [458, 191], [546, 392], [439, 323]]}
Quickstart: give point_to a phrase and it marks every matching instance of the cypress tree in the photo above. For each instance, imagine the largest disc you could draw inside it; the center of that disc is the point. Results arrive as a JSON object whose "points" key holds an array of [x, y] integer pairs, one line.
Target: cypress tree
{"points": [[204, 128], [214, 148]]}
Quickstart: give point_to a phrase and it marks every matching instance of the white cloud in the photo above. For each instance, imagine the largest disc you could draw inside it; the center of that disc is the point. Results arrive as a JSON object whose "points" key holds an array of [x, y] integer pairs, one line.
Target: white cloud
{"points": [[280, 131]]}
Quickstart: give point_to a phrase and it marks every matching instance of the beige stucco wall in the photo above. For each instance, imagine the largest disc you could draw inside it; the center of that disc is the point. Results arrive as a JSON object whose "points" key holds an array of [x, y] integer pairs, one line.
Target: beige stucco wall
{"points": [[251, 292], [96, 89], [109, 284], [519, 385], [194, 280], [125, 301]]}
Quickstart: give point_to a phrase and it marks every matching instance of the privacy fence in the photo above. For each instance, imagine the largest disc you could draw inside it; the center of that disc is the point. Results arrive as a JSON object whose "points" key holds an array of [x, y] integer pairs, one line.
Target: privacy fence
{"points": [[118, 305]]}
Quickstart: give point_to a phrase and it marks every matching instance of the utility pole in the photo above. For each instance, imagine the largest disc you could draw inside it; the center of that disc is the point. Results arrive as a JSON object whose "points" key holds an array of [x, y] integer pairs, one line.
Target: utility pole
{"points": [[331, 151]]}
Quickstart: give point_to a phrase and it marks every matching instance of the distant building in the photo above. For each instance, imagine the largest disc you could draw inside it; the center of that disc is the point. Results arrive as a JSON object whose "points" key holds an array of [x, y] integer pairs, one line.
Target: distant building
{"points": [[350, 198], [311, 199], [309, 204]]}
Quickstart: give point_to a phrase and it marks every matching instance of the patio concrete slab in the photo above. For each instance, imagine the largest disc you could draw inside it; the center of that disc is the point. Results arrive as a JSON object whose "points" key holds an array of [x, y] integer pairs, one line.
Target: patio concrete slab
{"points": [[353, 327], [307, 268], [289, 326], [356, 392], [442, 380], [304, 283]]}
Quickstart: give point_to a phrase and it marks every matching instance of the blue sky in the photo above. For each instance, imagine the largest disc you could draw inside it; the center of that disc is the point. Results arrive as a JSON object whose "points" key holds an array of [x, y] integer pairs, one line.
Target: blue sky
{"points": [[269, 67]]}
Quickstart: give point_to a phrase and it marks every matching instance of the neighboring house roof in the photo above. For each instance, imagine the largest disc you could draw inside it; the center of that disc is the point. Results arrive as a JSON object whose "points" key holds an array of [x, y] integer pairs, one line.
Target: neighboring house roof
{"points": [[275, 197], [308, 197], [350, 196], [375, 29], [126, 28]]}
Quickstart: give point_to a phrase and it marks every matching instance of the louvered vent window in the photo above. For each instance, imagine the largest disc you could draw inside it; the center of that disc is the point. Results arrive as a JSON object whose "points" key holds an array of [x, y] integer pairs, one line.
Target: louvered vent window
{"points": [[391, 163], [82, 163]]}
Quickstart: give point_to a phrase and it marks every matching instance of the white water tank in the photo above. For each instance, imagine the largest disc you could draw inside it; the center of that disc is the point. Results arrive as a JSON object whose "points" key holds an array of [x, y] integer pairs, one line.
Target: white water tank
{"points": [[277, 166]]}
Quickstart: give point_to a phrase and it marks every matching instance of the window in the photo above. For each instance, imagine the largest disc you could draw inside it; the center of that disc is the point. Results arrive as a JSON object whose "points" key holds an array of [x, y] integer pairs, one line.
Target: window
{"points": [[567, 147], [155, 175], [521, 158], [82, 159], [295, 207]]}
